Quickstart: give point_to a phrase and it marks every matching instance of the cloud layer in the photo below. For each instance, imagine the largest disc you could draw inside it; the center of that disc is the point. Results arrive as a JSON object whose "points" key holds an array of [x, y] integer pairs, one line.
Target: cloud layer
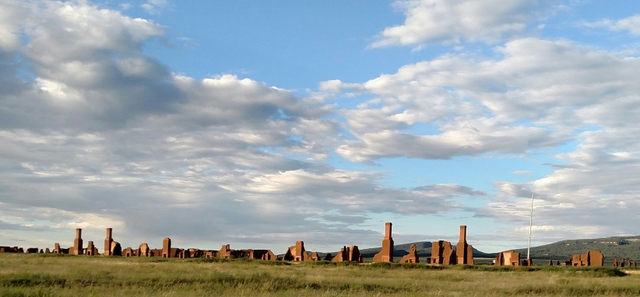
{"points": [[95, 133], [538, 95]]}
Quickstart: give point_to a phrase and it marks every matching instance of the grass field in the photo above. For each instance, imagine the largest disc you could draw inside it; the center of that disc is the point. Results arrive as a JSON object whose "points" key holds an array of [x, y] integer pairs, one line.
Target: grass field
{"points": [[53, 275]]}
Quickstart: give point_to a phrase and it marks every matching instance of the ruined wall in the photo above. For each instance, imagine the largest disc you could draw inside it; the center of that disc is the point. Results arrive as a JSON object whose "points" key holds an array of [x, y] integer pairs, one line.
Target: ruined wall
{"points": [[412, 257]]}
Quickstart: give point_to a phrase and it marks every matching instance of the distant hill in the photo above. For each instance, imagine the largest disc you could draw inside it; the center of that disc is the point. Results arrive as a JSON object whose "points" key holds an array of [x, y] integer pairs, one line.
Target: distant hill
{"points": [[627, 247], [423, 248]]}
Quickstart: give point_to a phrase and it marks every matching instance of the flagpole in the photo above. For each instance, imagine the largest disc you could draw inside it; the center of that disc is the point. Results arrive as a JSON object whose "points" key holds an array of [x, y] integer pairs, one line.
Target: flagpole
{"points": [[530, 228]]}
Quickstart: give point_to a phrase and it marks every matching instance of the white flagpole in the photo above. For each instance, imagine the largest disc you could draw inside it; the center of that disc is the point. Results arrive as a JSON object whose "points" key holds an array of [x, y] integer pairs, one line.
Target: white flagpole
{"points": [[530, 227]]}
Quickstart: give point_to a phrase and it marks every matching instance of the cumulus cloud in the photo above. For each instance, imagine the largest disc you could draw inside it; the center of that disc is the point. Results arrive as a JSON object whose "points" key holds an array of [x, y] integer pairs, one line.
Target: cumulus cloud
{"points": [[100, 134], [594, 197], [527, 99], [95, 133], [453, 21], [537, 95]]}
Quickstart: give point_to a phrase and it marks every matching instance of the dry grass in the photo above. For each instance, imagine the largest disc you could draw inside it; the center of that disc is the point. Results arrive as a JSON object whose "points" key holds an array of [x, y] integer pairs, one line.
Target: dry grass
{"points": [[37, 275]]}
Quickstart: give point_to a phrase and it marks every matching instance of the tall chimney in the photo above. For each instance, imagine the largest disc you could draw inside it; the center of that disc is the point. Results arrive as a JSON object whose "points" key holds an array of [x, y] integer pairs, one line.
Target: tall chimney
{"points": [[387, 230], [463, 233]]}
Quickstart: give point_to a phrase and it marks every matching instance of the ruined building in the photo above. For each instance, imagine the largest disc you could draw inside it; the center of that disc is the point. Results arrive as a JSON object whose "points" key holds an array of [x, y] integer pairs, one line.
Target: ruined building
{"points": [[297, 253], [510, 258], [386, 254], [412, 256], [348, 254], [91, 249], [111, 247], [442, 253], [464, 251], [77, 243], [590, 258]]}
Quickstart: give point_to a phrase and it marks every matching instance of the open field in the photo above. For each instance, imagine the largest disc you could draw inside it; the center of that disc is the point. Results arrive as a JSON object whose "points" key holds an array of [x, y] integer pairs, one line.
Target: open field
{"points": [[53, 275]]}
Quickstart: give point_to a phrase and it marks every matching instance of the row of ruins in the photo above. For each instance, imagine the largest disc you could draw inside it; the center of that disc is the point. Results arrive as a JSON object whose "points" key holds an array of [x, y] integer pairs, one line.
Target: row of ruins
{"points": [[442, 252]]}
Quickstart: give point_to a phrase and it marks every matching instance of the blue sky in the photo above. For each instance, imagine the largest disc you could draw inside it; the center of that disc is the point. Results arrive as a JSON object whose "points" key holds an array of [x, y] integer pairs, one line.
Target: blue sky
{"points": [[259, 123]]}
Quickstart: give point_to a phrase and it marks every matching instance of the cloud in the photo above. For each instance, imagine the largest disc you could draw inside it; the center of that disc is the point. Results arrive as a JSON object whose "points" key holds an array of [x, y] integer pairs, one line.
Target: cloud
{"points": [[630, 24], [155, 6], [101, 135], [594, 197], [453, 21], [522, 172], [536, 95]]}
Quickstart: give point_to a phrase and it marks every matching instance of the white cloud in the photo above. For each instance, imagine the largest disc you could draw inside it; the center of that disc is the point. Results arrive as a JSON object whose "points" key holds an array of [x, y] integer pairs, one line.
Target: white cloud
{"points": [[631, 24], [155, 6], [104, 135], [522, 172], [453, 21], [534, 96]]}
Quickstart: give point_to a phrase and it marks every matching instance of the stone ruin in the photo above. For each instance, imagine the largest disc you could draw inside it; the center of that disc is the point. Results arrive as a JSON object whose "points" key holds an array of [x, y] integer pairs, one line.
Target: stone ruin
{"points": [[58, 250], [590, 258], [143, 250], [107, 243], [509, 258], [297, 253], [167, 251], [128, 252], [347, 254], [442, 252], [91, 249], [225, 252], [464, 251], [77, 243], [386, 253], [412, 256], [111, 247], [11, 249], [629, 263], [264, 255]]}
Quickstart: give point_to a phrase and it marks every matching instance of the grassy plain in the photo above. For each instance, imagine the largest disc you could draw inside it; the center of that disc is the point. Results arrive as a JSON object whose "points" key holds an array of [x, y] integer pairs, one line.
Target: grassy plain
{"points": [[53, 275]]}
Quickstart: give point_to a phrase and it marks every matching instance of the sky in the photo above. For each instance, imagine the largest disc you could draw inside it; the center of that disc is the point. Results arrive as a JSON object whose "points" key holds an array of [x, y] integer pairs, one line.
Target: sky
{"points": [[260, 123]]}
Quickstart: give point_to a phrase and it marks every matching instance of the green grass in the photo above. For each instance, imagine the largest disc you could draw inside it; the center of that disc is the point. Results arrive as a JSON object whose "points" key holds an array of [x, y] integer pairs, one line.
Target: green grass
{"points": [[43, 275]]}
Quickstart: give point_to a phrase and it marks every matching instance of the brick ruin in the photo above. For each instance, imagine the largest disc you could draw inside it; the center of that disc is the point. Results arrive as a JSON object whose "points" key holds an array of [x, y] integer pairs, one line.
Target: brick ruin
{"points": [[386, 254], [347, 254], [77, 243], [113, 248], [629, 263], [590, 258], [464, 251], [297, 253], [91, 250], [509, 258], [11, 249], [412, 256], [442, 252]]}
